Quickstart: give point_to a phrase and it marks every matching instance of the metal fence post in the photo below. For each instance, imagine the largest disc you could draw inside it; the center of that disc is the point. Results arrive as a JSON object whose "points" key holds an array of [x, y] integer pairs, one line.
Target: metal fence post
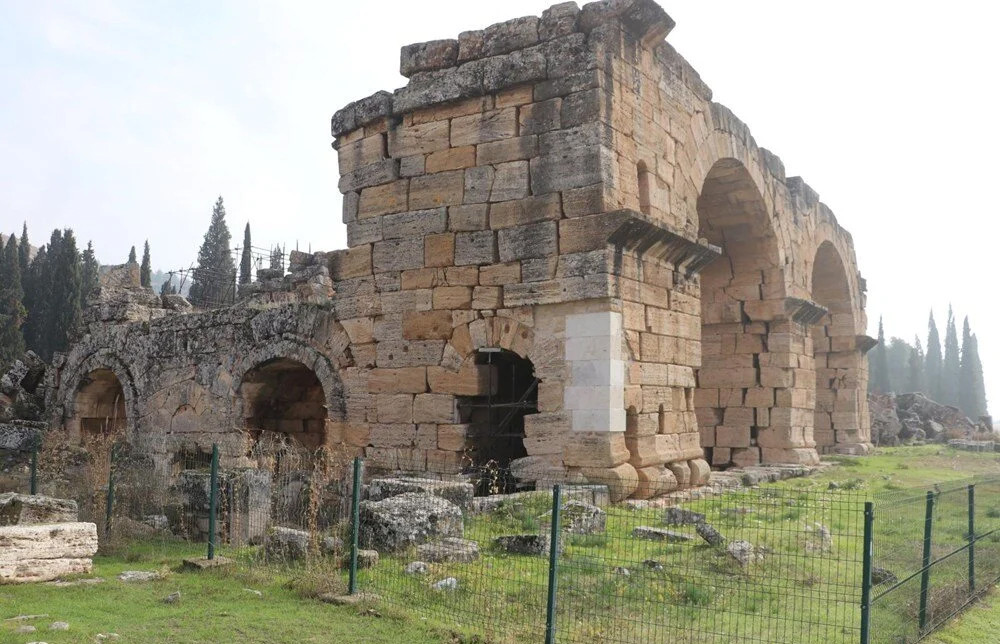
{"points": [[109, 502], [925, 576], [972, 538], [213, 500], [33, 481], [550, 609], [866, 574], [352, 584]]}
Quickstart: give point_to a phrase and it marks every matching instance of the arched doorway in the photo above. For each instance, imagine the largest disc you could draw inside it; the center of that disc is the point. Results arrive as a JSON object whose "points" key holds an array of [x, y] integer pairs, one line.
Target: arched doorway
{"points": [[836, 356], [496, 419], [740, 291], [284, 399], [99, 404]]}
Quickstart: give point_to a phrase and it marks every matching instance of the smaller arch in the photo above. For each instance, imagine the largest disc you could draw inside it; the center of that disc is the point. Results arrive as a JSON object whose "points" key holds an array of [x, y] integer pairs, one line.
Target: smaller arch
{"points": [[79, 374], [99, 404], [283, 397]]}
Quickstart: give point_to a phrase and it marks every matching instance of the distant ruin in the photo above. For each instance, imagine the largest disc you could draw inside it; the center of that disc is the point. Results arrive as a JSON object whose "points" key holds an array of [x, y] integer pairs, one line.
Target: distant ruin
{"points": [[562, 257]]}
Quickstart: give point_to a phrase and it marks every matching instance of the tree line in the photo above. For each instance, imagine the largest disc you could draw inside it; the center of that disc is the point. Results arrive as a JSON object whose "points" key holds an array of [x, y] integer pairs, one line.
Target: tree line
{"points": [[42, 297], [951, 376]]}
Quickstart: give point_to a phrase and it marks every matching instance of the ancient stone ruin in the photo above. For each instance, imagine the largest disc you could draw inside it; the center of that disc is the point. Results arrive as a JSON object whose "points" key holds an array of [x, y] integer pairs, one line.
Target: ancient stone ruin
{"points": [[562, 257]]}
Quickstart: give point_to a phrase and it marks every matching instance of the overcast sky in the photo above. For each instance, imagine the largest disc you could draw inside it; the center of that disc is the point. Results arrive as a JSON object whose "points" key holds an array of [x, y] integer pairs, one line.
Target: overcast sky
{"points": [[126, 120]]}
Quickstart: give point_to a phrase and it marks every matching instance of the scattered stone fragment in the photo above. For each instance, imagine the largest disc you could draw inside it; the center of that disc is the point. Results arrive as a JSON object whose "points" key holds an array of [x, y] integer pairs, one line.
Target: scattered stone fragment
{"points": [[367, 558], [653, 564], [100, 637], [27, 509], [579, 517], [349, 600], [204, 563], [253, 592], [332, 545], [659, 534], [883, 576], [459, 493], [156, 521], [63, 583], [416, 568], [172, 598], [711, 536], [286, 544], [818, 538], [744, 553], [448, 583], [24, 618], [411, 518], [138, 575], [622, 571], [680, 516], [524, 544], [736, 512], [59, 626], [449, 549], [25, 628]]}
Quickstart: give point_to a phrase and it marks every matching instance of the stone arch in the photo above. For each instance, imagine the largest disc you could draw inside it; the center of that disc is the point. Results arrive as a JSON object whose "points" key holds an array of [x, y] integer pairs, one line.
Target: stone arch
{"points": [[290, 388], [837, 360], [100, 376]]}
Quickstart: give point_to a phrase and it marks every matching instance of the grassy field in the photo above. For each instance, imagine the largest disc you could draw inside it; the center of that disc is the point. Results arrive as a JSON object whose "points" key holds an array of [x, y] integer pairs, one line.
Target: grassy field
{"points": [[798, 587]]}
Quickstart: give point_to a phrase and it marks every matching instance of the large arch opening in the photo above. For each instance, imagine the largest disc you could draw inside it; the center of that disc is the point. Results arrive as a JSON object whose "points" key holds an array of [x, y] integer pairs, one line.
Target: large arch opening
{"points": [[496, 419], [740, 290], [99, 404], [835, 352], [284, 399]]}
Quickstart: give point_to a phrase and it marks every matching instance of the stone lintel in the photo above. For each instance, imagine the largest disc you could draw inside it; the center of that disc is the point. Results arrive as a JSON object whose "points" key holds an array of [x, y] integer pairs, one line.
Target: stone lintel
{"points": [[644, 236], [804, 311], [865, 343]]}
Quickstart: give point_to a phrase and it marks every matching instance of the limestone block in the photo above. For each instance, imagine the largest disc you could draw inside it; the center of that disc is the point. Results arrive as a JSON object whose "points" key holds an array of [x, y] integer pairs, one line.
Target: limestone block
{"points": [[487, 297], [622, 480], [444, 461], [360, 153], [587, 200], [452, 297], [373, 174], [524, 211], [428, 56], [732, 436], [383, 199], [558, 20], [478, 184], [510, 181], [414, 223], [794, 456], [538, 269], [409, 353], [41, 552], [682, 472], [411, 166], [451, 159], [595, 397], [572, 168], [510, 35], [454, 437], [643, 451], [398, 254], [364, 231], [435, 408], [433, 190], [546, 433], [595, 449], [649, 482], [743, 457], [597, 372], [520, 148], [479, 247], [468, 217], [513, 96], [393, 435], [439, 250], [485, 127], [524, 242], [720, 455], [581, 234], [427, 325], [418, 139], [25, 509], [700, 471], [352, 262], [398, 302]]}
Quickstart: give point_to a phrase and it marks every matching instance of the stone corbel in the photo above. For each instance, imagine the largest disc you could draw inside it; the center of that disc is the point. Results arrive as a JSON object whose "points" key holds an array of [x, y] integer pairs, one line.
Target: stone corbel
{"points": [[865, 343], [645, 237], [804, 311]]}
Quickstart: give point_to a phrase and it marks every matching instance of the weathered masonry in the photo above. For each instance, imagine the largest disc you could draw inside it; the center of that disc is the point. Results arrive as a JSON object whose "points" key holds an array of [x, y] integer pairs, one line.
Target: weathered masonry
{"points": [[562, 255]]}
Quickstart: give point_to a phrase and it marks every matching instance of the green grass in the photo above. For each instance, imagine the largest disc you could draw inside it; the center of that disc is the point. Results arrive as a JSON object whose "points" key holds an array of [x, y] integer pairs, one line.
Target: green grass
{"points": [[797, 594], [214, 607]]}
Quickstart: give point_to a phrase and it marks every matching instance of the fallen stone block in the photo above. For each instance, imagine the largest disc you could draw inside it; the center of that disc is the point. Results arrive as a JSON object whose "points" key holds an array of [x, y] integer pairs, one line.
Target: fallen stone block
{"points": [[659, 534], [408, 519], [25, 509], [449, 549], [524, 544], [457, 492], [43, 552], [286, 543]]}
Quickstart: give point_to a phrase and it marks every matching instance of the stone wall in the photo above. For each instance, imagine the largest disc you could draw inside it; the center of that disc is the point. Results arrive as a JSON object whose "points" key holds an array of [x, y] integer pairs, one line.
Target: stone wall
{"points": [[560, 188]]}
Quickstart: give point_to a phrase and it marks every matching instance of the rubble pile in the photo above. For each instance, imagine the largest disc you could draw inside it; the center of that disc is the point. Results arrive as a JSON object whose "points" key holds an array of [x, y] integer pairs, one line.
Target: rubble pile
{"points": [[913, 418]]}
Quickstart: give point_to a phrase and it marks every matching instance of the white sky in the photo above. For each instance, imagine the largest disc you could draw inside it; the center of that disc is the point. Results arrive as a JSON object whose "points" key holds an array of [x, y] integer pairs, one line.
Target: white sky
{"points": [[125, 120]]}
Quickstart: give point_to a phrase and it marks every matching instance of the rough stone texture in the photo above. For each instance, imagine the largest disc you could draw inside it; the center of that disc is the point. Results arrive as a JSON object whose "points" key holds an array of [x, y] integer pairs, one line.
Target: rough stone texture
{"points": [[286, 544], [709, 534], [659, 534], [41, 552], [681, 516], [562, 188], [24, 509], [457, 492], [408, 519], [580, 517], [524, 544]]}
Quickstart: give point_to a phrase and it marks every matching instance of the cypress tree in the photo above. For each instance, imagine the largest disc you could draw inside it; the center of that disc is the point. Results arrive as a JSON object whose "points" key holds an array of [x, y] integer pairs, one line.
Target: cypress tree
{"points": [[979, 384], [966, 378], [65, 316], [932, 371], [12, 312], [89, 273], [24, 251], [215, 276], [35, 301], [131, 256], [880, 366], [245, 259], [898, 352], [952, 364], [915, 368], [146, 270]]}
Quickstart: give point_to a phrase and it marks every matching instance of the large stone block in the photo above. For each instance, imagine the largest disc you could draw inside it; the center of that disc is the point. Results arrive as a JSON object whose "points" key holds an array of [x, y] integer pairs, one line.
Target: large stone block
{"points": [[457, 492], [526, 242], [42, 552], [409, 519], [25, 509]]}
